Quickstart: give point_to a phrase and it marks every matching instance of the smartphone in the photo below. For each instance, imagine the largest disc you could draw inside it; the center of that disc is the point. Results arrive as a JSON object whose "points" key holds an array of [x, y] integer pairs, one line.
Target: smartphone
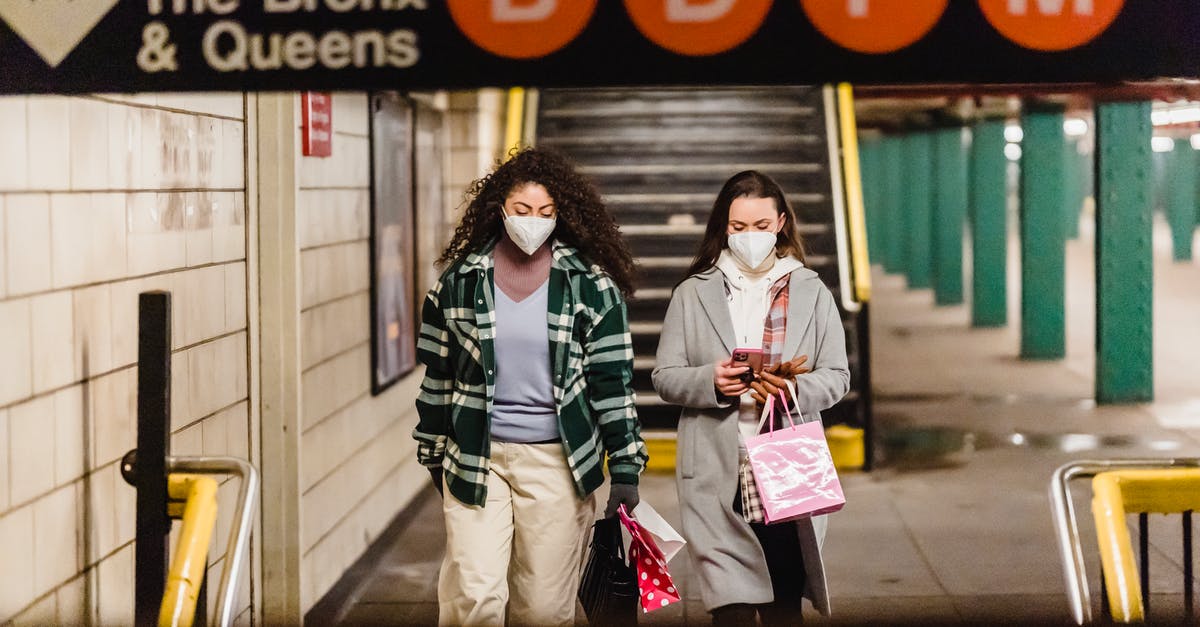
{"points": [[748, 357]]}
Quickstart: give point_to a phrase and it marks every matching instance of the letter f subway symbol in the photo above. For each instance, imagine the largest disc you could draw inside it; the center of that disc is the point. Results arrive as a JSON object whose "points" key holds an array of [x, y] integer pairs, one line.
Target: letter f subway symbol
{"points": [[521, 29]]}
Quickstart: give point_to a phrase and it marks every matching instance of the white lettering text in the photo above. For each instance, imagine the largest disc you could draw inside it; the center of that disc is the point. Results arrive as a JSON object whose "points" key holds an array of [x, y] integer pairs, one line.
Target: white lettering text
{"points": [[683, 11], [1050, 7], [503, 11]]}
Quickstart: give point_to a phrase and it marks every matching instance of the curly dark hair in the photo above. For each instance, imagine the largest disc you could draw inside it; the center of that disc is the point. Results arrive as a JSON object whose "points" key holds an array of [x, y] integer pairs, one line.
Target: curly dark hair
{"points": [[583, 222]]}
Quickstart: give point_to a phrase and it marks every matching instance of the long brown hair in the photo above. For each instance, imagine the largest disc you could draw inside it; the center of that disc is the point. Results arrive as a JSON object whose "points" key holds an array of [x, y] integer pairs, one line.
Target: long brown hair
{"points": [[746, 184], [583, 222]]}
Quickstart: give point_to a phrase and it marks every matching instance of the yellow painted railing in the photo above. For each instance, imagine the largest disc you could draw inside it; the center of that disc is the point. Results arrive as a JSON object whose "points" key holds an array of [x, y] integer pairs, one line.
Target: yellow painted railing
{"points": [[198, 495], [1120, 492], [515, 124], [855, 211]]}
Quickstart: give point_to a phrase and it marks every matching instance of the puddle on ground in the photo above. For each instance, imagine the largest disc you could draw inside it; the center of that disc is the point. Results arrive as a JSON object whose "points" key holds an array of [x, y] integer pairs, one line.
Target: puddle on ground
{"points": [[942, 447]]}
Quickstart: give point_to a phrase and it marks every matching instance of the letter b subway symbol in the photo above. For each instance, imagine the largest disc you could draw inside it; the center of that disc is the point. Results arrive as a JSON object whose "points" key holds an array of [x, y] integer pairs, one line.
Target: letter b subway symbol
{"points": [[698, 27], [521, 29], [1051, 24]]}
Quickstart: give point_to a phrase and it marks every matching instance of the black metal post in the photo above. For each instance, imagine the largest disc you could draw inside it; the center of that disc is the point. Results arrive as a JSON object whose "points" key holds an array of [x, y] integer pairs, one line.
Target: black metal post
{"points": [[153, 446], [1188, 581], [1144, 549], [864, 386], [202, 600]]}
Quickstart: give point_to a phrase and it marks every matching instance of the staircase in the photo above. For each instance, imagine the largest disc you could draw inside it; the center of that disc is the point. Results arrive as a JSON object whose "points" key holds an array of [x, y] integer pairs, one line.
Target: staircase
{"points": [[659, 157]]}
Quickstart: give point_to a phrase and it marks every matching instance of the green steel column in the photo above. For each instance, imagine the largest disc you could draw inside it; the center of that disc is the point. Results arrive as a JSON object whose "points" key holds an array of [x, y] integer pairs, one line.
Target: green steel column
{"points": [[950, 210], [1181, 197], [989, 226], [918, 172], [868, 152], [1124, 255], [893, 205], [1043, 245]]}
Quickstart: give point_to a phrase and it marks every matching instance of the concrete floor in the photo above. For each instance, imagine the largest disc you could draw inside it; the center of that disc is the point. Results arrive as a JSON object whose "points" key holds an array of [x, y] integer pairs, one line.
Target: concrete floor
{"points": [[954, 527]]}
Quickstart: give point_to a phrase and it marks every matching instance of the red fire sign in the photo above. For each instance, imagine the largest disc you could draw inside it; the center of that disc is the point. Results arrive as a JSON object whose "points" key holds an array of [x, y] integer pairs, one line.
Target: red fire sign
{"points": [[316, 123]]}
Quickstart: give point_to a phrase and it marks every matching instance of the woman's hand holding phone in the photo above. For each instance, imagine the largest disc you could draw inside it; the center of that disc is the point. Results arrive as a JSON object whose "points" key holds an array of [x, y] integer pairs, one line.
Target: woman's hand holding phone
{"points": [[727, 378], [771, 380]]}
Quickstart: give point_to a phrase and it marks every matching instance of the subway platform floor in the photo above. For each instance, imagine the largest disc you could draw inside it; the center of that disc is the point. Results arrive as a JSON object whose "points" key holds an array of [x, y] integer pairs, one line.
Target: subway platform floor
{"points": [[954, 526]]}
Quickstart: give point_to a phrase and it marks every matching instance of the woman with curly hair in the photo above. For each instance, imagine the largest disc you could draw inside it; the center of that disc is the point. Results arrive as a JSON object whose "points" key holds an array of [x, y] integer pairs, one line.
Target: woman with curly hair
{"points": [[527, 391]]}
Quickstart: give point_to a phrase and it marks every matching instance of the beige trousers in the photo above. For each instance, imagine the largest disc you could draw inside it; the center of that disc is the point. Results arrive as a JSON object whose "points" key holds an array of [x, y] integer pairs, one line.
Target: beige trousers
{"points": [[518, 558]]}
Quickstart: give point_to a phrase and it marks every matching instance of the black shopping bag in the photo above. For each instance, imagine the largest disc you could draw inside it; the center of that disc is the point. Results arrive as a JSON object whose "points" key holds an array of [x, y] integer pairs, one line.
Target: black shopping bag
{"points": [[608, 591]]}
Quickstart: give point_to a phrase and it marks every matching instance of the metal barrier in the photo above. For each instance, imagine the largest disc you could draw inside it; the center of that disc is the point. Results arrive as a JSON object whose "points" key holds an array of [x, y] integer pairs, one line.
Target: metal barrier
{"points": [[185, 580], [156, 474], [1063, 511]]}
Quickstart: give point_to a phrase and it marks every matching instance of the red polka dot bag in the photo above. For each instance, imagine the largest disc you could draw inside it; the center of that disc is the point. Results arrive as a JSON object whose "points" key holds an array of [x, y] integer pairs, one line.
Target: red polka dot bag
{"points": [[654, 582]]}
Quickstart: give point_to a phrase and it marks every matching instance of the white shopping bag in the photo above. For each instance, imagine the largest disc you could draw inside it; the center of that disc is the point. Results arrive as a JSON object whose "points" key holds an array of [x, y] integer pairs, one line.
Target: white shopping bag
{"points": [[668, 540]]}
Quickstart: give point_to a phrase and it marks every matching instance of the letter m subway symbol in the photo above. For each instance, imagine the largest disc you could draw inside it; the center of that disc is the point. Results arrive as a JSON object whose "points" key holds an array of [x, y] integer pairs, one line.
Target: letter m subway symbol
{"points": [[1046, 7]]}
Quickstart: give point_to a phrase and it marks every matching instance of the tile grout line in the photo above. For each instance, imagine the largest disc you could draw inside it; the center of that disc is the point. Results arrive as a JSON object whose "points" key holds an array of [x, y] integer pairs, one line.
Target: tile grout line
{"points": [[908, 531]]}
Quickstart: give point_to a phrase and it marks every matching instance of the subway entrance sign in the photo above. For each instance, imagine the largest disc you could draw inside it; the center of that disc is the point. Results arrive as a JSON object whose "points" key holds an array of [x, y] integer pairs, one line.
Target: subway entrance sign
{"points": [[166, 45]]}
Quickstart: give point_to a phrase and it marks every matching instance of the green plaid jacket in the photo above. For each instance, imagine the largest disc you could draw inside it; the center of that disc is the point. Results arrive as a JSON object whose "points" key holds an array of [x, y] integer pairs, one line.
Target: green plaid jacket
{"points": [[592, 359]]}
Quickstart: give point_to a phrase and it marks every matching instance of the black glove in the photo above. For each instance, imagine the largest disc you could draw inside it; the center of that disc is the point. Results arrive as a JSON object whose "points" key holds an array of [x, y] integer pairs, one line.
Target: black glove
{"points": [[621, 493], [435, 472]]}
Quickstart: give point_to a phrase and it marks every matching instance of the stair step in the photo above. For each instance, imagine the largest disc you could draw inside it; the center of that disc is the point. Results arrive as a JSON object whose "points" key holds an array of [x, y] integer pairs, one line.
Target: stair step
{"points": [[712, 142], [670, 230], [679, 169], [641, 109], [704, 200]]}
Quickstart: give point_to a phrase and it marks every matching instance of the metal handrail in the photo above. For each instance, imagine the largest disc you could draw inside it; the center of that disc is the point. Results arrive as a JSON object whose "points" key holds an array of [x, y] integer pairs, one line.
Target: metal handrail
{"points": [[838, 196], [1141, 491], [184, 581], [239, 537], [855, 210], [1062, 509], [514, 126]]}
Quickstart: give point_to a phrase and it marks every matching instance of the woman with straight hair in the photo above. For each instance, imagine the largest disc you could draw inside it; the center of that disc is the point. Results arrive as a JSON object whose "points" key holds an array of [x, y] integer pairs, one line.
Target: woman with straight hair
{"points": [[527, 391], [748, 289]]}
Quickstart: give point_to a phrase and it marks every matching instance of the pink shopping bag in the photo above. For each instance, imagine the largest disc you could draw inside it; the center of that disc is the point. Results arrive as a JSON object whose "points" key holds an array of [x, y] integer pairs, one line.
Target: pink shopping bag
{"points": [[792, 467], [654, 582]]}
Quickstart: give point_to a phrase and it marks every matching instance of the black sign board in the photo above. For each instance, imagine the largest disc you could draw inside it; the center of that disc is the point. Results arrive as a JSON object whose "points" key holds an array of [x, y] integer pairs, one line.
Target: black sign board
{"points": [[184, 45]]}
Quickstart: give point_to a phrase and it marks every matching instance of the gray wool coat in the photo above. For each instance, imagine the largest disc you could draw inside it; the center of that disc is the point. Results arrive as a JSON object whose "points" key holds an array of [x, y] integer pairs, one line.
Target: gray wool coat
{"points": [[697, 333]]}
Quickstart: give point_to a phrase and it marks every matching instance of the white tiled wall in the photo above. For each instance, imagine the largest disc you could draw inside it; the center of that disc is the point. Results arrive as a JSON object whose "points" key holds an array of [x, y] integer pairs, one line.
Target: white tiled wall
{"points": [[358, 467], [102, 198]]}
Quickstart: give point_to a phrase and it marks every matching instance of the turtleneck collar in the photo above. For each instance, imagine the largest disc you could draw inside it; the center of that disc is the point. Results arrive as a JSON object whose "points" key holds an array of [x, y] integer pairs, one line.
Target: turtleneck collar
{"points": [[518, 274]]}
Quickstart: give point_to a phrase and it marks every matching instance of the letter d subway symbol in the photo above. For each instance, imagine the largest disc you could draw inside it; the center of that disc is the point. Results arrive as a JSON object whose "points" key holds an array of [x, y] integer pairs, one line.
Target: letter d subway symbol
{"points": [[521, 29], [874, 26], [1051, 25], [698, 27]]}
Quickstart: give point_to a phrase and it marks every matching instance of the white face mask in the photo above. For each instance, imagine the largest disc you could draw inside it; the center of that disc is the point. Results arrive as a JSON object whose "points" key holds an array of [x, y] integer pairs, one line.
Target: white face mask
{"points": [[529, 232], [752, 248]]}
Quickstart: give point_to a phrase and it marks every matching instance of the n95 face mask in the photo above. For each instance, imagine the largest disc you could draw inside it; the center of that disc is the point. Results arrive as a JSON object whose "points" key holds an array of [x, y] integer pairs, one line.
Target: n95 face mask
{"points": [[529, 232], [752, 248]]}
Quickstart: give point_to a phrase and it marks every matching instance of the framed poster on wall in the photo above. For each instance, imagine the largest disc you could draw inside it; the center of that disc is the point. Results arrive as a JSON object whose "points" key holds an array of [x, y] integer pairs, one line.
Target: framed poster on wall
{"points": [[393, 260]]}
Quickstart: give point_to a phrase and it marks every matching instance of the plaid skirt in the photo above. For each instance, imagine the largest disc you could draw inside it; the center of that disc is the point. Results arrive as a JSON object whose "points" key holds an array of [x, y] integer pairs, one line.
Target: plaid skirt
{"points": [[752, 508]]}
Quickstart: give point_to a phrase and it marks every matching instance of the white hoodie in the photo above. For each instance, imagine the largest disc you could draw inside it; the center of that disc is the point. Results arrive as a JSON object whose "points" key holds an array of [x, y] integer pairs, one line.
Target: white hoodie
{"points": [[749, 293]]}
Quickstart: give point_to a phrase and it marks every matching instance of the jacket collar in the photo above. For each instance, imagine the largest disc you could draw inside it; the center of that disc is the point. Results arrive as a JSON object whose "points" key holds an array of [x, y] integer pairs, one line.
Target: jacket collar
{"points": [[716, 305]]}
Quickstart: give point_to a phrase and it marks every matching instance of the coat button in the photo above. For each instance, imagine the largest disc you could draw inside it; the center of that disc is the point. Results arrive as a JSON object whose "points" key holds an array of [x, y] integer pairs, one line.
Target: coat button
{"points": [[481, 301], [490, 372]]}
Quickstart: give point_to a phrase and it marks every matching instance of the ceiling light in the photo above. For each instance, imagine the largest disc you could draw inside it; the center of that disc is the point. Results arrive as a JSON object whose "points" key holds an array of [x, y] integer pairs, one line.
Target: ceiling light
{"points": [[1162, 144], [1075, 127], [1013, 133]]}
